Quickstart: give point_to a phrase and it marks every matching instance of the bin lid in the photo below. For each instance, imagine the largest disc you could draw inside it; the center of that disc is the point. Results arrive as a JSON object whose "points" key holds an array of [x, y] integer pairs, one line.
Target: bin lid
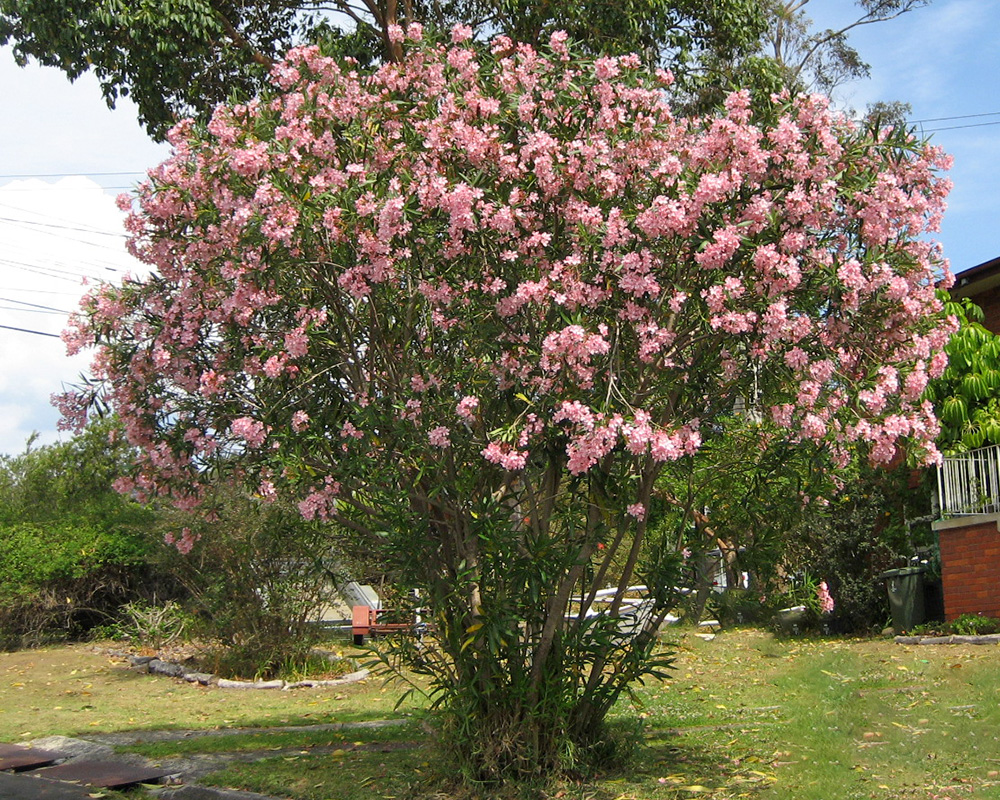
{"points": [[898, 573]]}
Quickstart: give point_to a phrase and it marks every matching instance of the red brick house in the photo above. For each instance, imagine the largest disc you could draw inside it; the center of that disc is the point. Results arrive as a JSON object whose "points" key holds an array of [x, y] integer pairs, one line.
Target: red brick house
{"points": [[969, 490]]}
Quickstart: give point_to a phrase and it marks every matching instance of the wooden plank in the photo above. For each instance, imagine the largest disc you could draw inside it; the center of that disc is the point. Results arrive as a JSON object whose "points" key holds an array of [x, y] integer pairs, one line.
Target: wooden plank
{"points": [[105, 774]]}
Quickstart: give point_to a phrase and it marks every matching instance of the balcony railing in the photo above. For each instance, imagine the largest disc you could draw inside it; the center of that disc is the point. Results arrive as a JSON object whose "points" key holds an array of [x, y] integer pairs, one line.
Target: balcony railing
{"points": [[970, 483]]}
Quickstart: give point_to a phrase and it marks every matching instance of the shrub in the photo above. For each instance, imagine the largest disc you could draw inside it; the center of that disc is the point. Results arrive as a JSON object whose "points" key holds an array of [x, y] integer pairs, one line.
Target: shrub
{"points": [[861, 534], [258, 575], [72, 550], [974, 625], [65, 576]]}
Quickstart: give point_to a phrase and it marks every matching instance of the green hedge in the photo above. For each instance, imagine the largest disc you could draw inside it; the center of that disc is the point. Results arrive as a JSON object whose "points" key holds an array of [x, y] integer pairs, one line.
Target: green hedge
{"points": [[60, 577]]}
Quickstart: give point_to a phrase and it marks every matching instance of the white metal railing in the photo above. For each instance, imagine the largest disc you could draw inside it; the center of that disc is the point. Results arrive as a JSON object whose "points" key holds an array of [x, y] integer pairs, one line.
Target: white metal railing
{"points": [[970, 483]]}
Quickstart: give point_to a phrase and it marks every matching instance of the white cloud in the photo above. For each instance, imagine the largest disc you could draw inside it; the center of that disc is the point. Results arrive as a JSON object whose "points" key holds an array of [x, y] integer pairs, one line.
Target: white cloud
{"points": [[51, 126], [53, 237]]}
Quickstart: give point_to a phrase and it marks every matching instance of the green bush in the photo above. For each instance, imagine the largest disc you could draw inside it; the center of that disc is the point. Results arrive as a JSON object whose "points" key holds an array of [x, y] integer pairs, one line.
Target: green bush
{"points": [[861, 534], [65, 576], [257, 575], [72, 550], [974, 625]]}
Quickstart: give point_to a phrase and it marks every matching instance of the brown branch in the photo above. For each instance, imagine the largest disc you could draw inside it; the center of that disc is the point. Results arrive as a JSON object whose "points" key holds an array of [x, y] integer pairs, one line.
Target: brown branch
{"points": [[240, 40]]}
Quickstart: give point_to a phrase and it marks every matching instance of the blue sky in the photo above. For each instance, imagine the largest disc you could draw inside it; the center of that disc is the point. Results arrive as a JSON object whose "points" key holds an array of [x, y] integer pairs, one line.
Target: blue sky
{"points": [[54, 229], [944, 60]]}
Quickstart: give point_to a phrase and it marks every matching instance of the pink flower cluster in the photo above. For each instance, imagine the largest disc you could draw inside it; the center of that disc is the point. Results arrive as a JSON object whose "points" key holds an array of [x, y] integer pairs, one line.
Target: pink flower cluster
{"points": [[823, 596], [184, 543]]}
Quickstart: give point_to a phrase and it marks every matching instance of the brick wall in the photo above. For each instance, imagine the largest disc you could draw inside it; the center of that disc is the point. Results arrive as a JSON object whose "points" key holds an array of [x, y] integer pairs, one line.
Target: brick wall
{"points": [[970, 570], [989, 302]]}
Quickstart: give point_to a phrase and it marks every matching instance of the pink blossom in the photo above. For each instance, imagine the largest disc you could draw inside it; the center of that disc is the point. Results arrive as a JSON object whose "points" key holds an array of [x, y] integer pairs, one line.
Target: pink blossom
{"points": [[439, 437], [184, 543], [825, 600], [275, 365], [252, 431], [466, 408], [461, 33], [637, 510], [505, 456], [349, 431]]}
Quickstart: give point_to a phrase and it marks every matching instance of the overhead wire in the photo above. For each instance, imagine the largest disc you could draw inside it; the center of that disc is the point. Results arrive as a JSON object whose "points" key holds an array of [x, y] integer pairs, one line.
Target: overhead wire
{"points": [[32, 311], [25, 330], [29, 290], [74, 174], [33, 305], [962, 116], [95, 231]]}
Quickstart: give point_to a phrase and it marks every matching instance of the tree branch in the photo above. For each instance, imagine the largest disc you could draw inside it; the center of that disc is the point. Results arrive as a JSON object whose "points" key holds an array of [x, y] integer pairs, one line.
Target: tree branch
{"points": [[240, 40]]}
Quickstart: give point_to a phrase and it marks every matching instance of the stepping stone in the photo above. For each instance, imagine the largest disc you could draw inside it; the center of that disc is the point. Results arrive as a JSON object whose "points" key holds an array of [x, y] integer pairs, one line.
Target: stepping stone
{"points": [[27, 787], [16, 757], [105, 774]]}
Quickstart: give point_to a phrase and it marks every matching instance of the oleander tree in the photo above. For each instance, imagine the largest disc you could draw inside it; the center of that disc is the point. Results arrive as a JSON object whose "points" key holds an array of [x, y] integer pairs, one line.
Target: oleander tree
{"points": [[470, 306]]}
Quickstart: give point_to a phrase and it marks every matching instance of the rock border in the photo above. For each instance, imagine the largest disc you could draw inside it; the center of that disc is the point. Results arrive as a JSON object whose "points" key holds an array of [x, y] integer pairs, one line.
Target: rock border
{"points": [[156, 666], [991, 638]]}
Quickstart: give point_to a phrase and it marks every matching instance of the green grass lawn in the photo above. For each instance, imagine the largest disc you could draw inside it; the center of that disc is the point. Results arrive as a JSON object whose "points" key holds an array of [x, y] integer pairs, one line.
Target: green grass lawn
{"points": [[752, 716], [746, 716]]}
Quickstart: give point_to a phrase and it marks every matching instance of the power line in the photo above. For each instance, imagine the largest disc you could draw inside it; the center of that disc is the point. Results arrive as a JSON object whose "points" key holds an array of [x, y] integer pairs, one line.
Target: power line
{"points": [[31, 290], [49, 272], [75, 174], [32, 311], [63, 227], [70, 188], [961, 127], [33, 305], [25, 330], [963, 116]]}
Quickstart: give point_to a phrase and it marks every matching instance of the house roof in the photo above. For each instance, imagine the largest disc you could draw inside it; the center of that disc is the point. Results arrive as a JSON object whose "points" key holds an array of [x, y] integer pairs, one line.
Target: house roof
{"points": [[977, 279]]}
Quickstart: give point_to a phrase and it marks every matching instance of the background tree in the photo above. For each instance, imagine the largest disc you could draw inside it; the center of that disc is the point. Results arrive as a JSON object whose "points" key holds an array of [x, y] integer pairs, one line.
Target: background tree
{"points": [[743, 495], [176, 60], [793, 55], [823, 60], [72, 549], [470, 305]]}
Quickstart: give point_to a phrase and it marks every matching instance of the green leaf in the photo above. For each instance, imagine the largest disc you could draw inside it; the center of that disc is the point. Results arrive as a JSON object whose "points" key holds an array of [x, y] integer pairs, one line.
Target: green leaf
{"points": [[954, 411]]}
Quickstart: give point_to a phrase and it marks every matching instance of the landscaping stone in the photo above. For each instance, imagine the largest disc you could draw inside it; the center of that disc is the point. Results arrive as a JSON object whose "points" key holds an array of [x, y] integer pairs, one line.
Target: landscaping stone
{"points": [[158, 667], [992, 638], [225, 683], [351, 677]]}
